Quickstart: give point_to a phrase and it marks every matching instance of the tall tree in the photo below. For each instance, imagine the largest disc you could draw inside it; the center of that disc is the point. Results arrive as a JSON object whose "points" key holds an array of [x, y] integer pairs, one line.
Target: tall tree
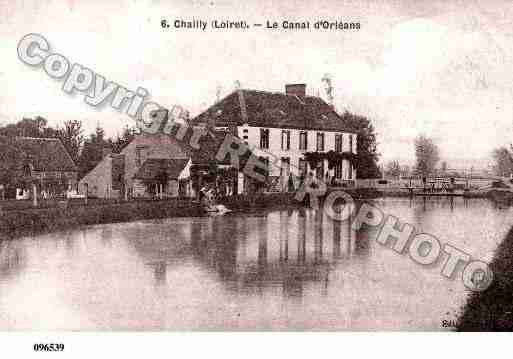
{"points": [[28, 127], [503, 161], [368, 156], [121, 141], [11, 162], [427, 155], [93, 151], [443, 167], [72, 138]]}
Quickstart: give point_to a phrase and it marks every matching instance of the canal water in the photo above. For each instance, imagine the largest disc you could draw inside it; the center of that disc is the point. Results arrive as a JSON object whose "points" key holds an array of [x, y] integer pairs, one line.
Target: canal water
{"points": [[267, 270]]}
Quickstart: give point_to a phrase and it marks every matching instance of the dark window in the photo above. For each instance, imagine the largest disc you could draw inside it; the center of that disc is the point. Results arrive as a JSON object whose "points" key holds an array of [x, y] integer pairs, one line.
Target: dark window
{"points": [[320, 141], [350, 170], [285, 140], [303, 141], [264, 138], [319, 171], [302, 166], [350, 143], [139, 155], [285, 166], [27, 170], [338, 170], [338, 143]]}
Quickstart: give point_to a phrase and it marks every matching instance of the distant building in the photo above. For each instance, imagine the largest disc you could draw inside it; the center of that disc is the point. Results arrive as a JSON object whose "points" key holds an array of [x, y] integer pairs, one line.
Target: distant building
{"points": [[40, 161], [140, 169], [286, 126], [152, 165]]}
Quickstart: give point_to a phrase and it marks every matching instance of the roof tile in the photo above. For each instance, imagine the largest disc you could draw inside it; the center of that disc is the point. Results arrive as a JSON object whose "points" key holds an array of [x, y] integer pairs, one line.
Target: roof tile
{"points": [[46, 154], [269, 109]]}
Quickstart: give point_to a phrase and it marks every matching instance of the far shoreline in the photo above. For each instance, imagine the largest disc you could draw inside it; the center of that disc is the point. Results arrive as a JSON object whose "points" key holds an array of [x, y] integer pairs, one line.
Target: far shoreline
{"points": [[69, 214]]}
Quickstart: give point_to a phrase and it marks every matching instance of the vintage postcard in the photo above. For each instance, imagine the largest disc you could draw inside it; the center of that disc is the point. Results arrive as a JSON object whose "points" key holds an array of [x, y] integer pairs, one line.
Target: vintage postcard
{"points": [[338, 166]]}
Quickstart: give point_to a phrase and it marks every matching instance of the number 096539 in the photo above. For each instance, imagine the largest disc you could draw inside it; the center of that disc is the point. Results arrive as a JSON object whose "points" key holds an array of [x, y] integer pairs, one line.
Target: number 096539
{"points": [[48, 347]]}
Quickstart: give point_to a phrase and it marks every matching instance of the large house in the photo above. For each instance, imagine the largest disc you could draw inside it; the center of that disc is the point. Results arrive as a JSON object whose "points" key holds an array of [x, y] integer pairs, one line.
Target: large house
{"points": [[43, 162], [287, 126]]}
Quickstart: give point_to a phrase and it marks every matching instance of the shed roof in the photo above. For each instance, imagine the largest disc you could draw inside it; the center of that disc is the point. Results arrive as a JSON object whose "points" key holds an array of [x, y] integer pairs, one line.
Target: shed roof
{"points": [[159, 168]]}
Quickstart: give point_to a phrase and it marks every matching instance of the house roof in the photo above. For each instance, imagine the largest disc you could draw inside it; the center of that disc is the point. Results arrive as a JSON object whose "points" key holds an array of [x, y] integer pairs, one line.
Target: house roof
{"points": [[45, 154], [158, 168], [207, 147], [270, 109], [180, 143]]}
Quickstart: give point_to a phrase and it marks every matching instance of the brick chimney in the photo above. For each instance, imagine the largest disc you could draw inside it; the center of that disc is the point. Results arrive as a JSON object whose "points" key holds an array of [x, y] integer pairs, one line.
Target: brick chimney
{"points": [[296, 89]]}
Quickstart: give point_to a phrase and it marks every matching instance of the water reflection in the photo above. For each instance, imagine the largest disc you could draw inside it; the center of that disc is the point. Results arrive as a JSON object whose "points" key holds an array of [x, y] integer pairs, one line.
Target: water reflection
{"points": [[289, 269], [278, 249], [12, 258]]}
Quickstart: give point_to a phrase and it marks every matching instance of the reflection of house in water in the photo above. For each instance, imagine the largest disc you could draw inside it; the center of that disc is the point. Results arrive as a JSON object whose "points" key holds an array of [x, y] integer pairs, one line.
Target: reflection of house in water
{"points": [[426, 207], [287, 249], [166, 246]]}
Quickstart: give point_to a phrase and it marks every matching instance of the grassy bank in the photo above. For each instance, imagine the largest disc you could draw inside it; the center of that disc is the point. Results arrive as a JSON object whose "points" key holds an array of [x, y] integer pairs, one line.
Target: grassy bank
{"points": [[492, 309], [19, 218], [47, 218], [504, 197], [31, 220]]}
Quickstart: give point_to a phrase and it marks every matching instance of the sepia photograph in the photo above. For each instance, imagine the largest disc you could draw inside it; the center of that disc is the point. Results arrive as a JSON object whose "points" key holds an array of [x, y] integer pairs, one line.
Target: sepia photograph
{"points": [[257, 166]]}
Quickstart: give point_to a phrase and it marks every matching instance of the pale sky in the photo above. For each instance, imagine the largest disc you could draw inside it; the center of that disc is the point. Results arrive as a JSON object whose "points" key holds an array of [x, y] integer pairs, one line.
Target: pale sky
{"points": [[442, 68]]}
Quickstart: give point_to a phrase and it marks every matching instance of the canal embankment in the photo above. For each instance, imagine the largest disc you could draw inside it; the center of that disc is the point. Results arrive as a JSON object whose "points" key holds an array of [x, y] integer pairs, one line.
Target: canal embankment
{"points": [[501, 196], [20, 217], [492, 309], [23, 218], [66, 214]]}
